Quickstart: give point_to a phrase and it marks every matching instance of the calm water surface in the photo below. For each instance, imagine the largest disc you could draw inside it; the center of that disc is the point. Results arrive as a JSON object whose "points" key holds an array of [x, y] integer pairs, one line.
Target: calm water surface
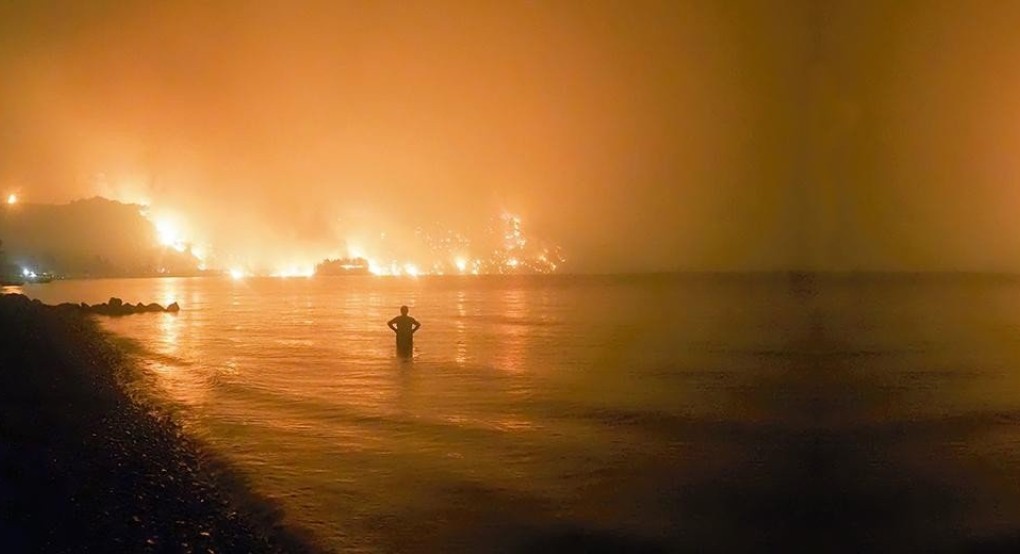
{"points": [[624, 413]]}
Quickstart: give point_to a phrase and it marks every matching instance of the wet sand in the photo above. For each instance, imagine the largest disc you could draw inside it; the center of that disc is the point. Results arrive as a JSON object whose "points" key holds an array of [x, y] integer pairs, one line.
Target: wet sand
{"points": [[85, 466]]}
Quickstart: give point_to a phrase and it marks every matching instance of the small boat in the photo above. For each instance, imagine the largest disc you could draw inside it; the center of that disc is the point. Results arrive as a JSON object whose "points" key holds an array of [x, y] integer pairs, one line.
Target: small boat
{"points": [[29, 276]]}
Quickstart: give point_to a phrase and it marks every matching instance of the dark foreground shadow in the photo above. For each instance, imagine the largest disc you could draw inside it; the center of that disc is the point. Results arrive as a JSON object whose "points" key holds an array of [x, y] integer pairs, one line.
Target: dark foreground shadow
{"points": [[84, 467]]}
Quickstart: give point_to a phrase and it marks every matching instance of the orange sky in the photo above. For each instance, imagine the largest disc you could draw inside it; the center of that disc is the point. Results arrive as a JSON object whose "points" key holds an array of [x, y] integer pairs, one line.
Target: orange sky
{"points": [[915, 129], [648, 135]]}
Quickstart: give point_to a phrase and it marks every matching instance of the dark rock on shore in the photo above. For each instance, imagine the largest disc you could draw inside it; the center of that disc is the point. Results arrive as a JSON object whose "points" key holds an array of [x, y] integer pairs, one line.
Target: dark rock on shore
{"points": [[85, 466], [117, 307]]}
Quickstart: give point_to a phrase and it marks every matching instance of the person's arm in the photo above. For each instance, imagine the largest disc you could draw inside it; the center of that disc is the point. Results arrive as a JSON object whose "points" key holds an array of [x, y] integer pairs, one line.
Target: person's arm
{"points": [[392, 324], [414, 325]]}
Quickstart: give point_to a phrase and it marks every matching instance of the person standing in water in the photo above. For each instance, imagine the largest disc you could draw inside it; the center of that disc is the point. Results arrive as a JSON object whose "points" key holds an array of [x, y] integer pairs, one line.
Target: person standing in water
{"points": [[404, 326]]}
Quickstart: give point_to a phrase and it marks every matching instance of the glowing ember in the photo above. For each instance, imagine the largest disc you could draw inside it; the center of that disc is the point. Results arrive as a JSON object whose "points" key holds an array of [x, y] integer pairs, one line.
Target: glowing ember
{"points": [[513, 236]]}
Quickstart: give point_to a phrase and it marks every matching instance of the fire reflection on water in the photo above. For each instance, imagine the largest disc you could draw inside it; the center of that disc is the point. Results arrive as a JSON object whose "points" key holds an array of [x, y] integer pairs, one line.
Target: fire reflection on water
{"points": [[461, 355], [169, 334], [514, 331], [298, 382], [183, 385]]}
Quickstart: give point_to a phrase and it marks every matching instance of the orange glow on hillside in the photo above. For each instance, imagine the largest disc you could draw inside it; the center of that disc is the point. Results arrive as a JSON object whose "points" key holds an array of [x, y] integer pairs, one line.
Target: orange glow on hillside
{"points": [[505, 249], [169, 234]]}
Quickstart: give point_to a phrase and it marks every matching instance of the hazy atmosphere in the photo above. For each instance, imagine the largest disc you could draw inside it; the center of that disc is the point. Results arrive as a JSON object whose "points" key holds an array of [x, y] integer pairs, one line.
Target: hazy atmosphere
{"points": [[913, 125], [637, 136], [509, 276], [648, 136]]}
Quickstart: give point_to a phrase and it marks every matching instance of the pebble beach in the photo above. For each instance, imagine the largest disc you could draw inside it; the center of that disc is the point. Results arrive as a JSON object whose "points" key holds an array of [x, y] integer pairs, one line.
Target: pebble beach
{"points": [[87, 465]]}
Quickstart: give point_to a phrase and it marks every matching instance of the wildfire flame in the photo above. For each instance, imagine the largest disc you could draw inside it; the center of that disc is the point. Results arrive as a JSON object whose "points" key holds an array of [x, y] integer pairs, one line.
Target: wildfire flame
{"points": [[168, 232], [443, 252], [294, 271]]}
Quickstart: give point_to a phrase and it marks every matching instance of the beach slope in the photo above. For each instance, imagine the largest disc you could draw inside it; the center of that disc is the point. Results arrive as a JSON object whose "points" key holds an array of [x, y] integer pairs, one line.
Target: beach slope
{"points": [[87, 467]]}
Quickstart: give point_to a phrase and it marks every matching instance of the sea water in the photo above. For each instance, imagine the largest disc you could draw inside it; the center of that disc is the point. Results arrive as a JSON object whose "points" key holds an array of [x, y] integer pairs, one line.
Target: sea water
{"points": [[657, 413]]}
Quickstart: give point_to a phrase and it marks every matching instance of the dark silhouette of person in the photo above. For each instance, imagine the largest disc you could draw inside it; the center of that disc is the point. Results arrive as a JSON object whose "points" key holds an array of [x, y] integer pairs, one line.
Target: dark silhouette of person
{"points": [[404, 326]]}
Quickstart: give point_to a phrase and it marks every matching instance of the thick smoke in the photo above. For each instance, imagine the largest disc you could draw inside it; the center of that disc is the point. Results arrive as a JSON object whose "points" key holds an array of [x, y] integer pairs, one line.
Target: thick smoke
{"points": [[645, 136]]}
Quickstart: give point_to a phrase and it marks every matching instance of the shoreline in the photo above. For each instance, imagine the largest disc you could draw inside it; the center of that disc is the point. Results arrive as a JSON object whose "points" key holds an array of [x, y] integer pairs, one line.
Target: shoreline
{"points": [[85, 465]]}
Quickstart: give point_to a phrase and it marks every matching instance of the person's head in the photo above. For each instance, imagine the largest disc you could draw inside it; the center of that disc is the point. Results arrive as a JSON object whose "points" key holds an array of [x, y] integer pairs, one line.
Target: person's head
{"points": [[403, 310]]}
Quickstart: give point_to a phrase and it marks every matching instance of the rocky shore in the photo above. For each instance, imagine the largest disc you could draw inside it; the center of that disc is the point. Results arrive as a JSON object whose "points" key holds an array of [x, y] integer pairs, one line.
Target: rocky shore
{"points": [[87, 467], [117, 307]]}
